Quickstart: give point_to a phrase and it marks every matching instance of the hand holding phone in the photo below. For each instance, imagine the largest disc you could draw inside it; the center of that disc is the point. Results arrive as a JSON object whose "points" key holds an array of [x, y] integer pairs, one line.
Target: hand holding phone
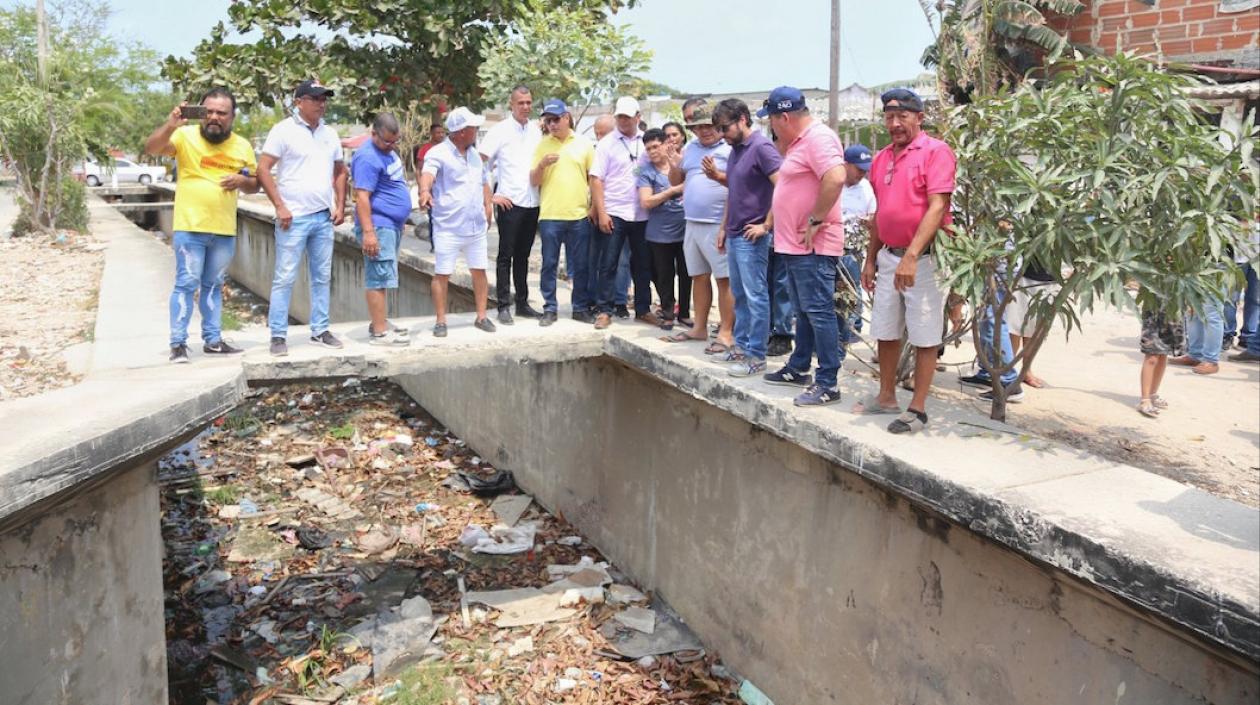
{"points": [[192, 112]]}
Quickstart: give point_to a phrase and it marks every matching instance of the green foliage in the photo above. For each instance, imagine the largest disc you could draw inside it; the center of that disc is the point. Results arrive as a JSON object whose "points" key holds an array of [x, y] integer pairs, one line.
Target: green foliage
{"points": [[380, 51], [1110, 173], [342, 433], [223, 496], [425, 684], [565, 53]]}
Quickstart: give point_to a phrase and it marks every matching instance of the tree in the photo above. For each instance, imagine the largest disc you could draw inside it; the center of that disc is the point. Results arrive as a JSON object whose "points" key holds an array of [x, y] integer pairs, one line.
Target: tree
{"points": [[982, 45], [380, 52], [1108, 172], [570, 54], [82, 104]]}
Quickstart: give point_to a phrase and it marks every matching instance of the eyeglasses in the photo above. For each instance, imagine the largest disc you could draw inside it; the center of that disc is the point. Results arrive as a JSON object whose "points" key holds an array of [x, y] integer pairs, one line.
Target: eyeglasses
{"points": [[892, 168], [722, 127], [388, 143], [551, 119]]}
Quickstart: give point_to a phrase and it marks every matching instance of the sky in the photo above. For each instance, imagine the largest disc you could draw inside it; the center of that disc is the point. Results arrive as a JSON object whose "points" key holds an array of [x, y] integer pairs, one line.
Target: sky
{"points": [[699, 46]]}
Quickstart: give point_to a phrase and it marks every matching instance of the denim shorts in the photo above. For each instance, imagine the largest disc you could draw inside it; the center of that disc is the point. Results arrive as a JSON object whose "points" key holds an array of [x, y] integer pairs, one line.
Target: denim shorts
{"points": [[381, 271]]}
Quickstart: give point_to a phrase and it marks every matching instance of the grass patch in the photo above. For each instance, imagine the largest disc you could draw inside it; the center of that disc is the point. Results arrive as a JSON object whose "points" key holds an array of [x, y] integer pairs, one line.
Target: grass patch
{"points": [[342, 433], [425, 684], [230, 321], [225, 495]]}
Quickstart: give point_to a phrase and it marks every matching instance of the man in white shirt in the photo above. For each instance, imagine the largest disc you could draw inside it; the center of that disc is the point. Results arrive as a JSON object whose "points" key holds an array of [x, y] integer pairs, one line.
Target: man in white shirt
{"points": [[454, 189], [309, 195], [857, 206], [508, 153]]}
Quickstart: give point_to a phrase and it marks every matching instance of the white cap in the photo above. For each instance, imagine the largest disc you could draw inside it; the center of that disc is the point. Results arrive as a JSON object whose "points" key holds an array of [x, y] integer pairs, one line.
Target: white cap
{"points": [[462, 117], [626, 106]]}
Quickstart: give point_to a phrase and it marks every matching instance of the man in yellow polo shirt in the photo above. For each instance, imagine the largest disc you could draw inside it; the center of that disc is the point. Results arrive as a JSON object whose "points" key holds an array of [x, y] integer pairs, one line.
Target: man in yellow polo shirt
{"points": [[560, 167], [213, 165]]}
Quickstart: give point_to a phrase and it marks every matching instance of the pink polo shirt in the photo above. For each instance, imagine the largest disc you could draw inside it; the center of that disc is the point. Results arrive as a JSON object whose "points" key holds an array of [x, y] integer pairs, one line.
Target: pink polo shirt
{"points": [[813, 153], [926, 166]]}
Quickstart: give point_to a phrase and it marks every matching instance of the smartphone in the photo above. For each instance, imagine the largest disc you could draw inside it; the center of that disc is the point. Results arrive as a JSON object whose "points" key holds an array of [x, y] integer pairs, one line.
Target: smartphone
{"points": [[192, 112]]}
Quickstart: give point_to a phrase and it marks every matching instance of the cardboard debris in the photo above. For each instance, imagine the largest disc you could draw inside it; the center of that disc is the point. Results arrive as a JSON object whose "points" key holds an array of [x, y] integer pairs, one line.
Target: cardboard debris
{"points": [[509, 508]]}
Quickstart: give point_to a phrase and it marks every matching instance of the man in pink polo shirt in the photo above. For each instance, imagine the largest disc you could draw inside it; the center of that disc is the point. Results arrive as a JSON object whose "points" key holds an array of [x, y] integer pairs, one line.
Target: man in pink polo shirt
{"points": [[809, 239], [913, 180]]}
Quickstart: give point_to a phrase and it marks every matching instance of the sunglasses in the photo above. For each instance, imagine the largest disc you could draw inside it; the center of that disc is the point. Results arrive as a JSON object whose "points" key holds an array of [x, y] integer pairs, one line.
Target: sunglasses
{"points": [[892, 169], [388, 143]]}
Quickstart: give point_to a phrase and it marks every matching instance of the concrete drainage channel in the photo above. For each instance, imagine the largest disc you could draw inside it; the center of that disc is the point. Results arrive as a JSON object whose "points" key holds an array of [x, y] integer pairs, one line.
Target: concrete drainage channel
{"points": [[822, 563]]}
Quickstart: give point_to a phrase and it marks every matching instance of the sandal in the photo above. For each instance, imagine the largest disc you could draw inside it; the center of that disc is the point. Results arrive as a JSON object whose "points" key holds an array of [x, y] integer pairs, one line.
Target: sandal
{"points": [[683, 337], [717, 347], [870, 406], [1159, 402], [909, 421], [1147, 408], [689, 322]]}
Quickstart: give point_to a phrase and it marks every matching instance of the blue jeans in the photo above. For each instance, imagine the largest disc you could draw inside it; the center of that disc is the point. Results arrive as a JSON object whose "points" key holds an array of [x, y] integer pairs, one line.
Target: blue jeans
{"points": [[812, 286], [781, 313], [1008, 353], [607, 249], [201, 263], [575, 236], [1249, 332], [1204, 329], [749, 263], [851, 266], [312, 234], [623, 277]]}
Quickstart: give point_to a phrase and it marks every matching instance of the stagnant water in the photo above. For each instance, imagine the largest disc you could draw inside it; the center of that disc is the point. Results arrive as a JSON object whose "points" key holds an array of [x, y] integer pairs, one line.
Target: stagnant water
{"points": [[304, 522]]}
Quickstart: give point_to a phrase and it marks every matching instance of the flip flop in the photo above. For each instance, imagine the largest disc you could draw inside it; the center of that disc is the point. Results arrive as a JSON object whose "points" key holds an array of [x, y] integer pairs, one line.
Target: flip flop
{"points": [[683, 337], [716, 347], [870, 406]]}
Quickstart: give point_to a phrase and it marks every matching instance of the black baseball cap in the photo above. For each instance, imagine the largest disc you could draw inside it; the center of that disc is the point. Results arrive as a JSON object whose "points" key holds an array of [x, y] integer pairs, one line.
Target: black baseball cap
{"points": [[311, 88], [902, 99]]}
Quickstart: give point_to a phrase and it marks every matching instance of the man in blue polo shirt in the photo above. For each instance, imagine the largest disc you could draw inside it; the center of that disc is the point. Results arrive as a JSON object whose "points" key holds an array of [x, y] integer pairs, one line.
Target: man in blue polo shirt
{"points": [[381, 204]]}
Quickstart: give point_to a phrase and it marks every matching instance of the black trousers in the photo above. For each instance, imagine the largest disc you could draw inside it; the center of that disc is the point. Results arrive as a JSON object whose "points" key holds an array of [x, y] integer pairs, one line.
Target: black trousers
{"points": [[669, 262], [517, 228]]}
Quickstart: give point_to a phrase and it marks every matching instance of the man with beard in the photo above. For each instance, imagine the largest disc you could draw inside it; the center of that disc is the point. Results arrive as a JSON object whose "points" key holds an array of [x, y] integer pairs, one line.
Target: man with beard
{"points": [[213, 164], [309, 194]]}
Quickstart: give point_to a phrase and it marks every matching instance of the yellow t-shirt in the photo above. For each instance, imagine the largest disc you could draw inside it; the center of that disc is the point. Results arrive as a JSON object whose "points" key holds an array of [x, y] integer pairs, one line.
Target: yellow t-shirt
{"points": [[201, 204], [565, 193]]}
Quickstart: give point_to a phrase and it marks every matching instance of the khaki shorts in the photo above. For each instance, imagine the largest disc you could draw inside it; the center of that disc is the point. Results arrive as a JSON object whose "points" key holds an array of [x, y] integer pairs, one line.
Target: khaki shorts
{"points": [[700, 249], [1017, 310], [920, 310]]}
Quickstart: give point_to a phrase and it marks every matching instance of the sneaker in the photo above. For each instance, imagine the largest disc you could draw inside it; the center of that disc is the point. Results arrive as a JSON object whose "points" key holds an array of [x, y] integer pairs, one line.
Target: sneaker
{"points": [[747, 368], [1014, 394], [220, 347], [179, 354], [327, 340], [389, 337], [439, 330], [976, 380], [1245, 356], [787, 377], [602, 321], [621, 311], [583, 316], [732, 355], [1227, 342], [548, 318], [817, 395], [505, 316], [279, 348], [401, 330], [779, 345], [527, 311], [484, 324]]}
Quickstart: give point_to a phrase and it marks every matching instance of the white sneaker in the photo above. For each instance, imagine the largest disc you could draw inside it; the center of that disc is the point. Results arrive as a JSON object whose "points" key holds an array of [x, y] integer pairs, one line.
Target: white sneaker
{"points": [[391, 337]]}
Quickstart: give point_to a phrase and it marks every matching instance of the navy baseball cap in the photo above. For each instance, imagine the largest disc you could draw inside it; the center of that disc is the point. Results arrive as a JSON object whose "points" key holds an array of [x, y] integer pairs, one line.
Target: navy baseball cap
{"points": [[311, 88], [859, 156], [555, 106], [902, 99], [784, 99]]}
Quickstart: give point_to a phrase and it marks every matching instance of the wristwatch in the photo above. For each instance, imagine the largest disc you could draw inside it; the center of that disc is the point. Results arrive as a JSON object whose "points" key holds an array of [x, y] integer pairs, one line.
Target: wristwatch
{"points": [[814, 221]]}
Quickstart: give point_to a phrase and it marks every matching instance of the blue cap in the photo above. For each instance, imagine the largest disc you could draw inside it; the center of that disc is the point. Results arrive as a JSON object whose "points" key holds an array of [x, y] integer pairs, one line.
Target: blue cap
{"points": [[859, 155], [902, 99], [784, 99], [555, 106]]}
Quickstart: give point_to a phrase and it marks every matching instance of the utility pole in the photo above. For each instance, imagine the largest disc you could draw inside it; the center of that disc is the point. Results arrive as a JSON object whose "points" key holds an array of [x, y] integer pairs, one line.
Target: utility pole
{"points": [[833, 101], [41, 30]]}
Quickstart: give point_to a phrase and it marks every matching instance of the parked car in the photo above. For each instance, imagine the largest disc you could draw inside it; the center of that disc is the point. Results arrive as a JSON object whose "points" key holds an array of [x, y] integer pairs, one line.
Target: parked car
{"points": [[128, 171]]}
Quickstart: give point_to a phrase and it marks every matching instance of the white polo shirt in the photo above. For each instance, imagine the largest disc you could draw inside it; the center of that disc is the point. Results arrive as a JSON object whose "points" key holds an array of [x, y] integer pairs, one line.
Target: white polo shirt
{"points": [[508, 149], [458, 198], [304, 166]]}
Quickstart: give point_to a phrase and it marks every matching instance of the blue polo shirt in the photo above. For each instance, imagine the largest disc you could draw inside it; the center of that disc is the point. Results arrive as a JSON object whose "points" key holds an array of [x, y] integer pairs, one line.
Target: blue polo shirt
{"points": [[704, 199], [381, 173]]}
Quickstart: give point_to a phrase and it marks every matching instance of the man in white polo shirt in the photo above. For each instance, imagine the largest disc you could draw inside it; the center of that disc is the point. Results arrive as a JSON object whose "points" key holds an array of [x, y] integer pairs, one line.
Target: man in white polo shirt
{"points": [[453, 187], [508, 151], [309, 195]]}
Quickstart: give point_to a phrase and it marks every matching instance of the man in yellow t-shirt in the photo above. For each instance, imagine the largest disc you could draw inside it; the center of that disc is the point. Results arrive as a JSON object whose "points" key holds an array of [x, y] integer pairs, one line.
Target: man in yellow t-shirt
{"points": [[560, 167], [213, 164]]}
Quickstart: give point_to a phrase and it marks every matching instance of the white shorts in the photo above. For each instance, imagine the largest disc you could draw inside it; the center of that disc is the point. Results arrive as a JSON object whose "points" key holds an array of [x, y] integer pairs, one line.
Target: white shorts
{"points": [[700, 250], [447, 248], [920, 310], [1016, 314]]}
